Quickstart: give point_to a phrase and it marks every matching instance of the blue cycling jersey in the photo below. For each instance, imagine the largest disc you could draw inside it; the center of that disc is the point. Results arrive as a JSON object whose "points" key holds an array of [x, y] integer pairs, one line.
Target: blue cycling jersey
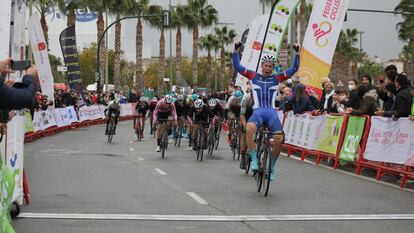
{"points": [[265, 88]]}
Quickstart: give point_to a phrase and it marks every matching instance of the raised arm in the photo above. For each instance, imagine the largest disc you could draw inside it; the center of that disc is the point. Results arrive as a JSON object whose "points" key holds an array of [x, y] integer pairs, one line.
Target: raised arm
{"points": [[282, 76], [241, 69]]}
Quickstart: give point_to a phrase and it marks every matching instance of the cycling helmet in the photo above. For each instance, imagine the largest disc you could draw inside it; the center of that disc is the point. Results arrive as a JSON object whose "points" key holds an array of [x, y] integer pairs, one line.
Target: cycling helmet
{"points": [[143, 99], [198, 104], [180, 97], [154, 99], [168, 99], [212, 103], [195, 96], [238, 94], [269, 58], [189, 99]]}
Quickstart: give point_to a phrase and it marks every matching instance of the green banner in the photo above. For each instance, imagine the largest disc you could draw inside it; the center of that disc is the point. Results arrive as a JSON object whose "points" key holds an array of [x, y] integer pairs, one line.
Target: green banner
{"points": [[353, 136], [330, 134], [29, 122], [6, 191], [412, 109]]}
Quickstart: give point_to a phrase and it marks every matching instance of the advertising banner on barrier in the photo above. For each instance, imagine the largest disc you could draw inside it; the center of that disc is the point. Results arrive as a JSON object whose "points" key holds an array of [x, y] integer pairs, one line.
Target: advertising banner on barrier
{"points": [[277, 26], [126, 110], [300, 129], [59, 117], [353, 136], [15, 152], [41, 56], [320, 41], [28, 122], [329, 134], [6, 189], [391, 141]]}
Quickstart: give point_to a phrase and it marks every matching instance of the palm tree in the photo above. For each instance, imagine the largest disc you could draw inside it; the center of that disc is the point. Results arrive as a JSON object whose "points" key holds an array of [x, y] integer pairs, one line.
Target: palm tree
{"points": [[157, 22], [224, 36], [119, 8], [178, 21], [42, 7], [100, 7], [139, 8], [406, 32], [209, 43], [69, 9], [198, 13]]}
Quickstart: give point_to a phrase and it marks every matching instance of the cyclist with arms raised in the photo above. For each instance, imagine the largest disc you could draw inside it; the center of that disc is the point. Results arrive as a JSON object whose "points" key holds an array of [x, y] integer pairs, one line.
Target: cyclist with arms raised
{"points": [[264, 88]]}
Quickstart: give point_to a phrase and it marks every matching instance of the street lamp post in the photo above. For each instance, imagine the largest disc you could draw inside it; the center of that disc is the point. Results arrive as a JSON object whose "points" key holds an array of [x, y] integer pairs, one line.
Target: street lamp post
{"points": [[171, 58], [98, 71]]}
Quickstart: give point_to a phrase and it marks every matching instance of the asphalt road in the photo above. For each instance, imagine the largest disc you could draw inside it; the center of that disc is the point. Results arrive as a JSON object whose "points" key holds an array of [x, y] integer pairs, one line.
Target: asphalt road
{"points": [[88, 185]]}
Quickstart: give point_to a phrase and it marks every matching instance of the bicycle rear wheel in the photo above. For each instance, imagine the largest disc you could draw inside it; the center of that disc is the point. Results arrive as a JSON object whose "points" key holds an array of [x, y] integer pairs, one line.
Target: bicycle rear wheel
{"points": [[211, 141], [217, 138], [164, 141], [268, 170], [198, 143], [111, 130], [202, 142], [247, 163]]}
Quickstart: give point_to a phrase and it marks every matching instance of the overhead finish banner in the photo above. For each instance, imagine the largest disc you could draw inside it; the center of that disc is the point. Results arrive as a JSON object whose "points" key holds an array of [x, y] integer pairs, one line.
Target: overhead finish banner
{"points": [[252, 47], [277, 26], [41, 56], [70, 55], [320, 41]]}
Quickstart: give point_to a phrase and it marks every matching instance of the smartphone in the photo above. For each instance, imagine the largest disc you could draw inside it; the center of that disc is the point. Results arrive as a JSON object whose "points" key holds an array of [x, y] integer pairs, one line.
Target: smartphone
{"points": [[21, 65]]}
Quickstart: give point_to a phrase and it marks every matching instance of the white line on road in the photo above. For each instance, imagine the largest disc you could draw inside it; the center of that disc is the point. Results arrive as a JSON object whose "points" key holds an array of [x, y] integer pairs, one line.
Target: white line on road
{"points": [[219, 218], [131, 142], [142, 159], [131, 149], [197, 198], [161, 172]]}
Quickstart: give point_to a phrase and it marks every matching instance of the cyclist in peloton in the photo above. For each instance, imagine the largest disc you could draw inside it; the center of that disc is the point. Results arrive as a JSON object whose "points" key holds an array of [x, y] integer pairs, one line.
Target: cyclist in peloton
{"points": [[216, 113], [164, 110], [232, 109], [181, 109], [112, 108], [245, 113], [152, 104], [198, 116], [141, 110], [265, 86]]}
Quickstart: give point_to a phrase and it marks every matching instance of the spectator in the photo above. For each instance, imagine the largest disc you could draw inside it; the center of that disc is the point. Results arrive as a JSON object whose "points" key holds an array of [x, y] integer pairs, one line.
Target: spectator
{"points": [[300, 101], [17, 98], [391, 92], [353, 101], [338, 98], [313, 97], [391, 74], [326, 104], [367, 81], [285, 105], [403, 100], [369, 104]]}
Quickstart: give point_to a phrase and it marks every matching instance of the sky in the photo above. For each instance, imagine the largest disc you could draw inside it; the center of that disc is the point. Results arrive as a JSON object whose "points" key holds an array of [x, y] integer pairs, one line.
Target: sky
{"points": [[379, 39]]}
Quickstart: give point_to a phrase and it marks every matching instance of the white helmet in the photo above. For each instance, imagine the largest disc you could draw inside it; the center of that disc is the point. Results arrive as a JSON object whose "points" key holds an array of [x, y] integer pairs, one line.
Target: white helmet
{"points": [[212, 103], [180, 97], [143, 99], [198, 103], [168, 99]]}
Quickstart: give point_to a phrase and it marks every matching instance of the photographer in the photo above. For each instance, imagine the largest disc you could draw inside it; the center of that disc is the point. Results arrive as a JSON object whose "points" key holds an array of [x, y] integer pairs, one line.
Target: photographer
{"points": [[16, 98]]}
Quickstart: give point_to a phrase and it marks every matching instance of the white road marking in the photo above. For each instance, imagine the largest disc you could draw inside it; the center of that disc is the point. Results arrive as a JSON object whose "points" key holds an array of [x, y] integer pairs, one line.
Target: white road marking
{"points": [[161, 172], [197, 198], [131, 149], [350, 173], [131, 142], [219, 218], [142, 159]]}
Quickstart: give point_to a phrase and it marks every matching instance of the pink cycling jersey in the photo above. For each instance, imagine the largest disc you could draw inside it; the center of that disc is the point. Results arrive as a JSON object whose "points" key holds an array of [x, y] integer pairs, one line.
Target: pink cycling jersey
{"points": [[163, 107]]}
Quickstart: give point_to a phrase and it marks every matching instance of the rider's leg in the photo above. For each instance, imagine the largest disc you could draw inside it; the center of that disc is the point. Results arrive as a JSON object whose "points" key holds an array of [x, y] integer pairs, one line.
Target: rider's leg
{"points": [[278, 137], [159, 132], [194, 134], [251, 146], [242, 149], [190, 133], [109, 119]]}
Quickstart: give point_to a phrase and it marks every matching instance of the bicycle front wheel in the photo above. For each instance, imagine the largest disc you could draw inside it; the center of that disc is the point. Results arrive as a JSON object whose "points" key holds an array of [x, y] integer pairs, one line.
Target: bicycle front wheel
{"points": [[164, 142], [268, 171]]}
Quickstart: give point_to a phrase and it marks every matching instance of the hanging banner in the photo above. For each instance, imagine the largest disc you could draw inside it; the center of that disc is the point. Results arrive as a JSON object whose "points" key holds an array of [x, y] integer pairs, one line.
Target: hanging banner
{"points": [[5, 14], [41, 56], [391, 141], [353, 136], [329, 134], [320, 41], [70, 55], [17, 35], [277, 26]]}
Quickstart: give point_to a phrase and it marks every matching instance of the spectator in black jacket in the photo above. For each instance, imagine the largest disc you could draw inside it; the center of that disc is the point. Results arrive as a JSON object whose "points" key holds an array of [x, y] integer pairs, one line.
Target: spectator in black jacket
{"points": [[391, 74], [391, 92], [353, 101], [403, 99], [17, 98], [300, 100], [369, 104]]}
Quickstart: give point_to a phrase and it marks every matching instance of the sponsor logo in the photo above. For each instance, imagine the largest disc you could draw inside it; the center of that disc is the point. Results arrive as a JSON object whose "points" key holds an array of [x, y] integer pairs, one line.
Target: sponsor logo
{"points": [[320, 32], [41, 46]]}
